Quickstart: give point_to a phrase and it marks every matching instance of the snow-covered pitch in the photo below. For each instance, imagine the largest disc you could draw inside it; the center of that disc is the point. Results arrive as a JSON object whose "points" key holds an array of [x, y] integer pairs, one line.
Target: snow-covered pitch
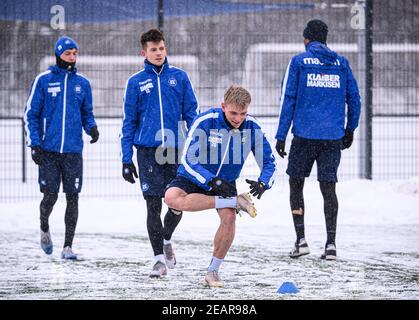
{"points": [[377, 243]]}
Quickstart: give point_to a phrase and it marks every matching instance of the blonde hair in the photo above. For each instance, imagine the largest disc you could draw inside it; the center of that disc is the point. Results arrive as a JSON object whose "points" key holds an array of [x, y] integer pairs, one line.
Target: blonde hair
{"points": [[237, 95]]}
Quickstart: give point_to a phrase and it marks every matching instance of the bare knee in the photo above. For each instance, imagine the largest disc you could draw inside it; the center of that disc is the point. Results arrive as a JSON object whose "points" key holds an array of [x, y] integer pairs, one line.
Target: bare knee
{"points": [[169, 198], [174, 199], [227, 216]]}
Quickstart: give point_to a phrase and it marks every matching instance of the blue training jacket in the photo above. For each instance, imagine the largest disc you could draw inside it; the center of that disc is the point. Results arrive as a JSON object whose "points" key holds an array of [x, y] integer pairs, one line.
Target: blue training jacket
{"points": [[213, 149], [59, 105], [155, 108], [316, 86]]}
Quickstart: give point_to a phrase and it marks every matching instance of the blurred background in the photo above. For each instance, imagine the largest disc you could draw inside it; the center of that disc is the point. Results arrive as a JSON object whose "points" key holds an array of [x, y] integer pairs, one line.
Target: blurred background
{"points": [[247, 42]]}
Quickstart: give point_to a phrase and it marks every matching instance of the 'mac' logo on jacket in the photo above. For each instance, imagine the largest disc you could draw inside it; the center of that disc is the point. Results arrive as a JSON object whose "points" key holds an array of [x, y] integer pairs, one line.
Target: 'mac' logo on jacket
{"points": [[317, 61]]}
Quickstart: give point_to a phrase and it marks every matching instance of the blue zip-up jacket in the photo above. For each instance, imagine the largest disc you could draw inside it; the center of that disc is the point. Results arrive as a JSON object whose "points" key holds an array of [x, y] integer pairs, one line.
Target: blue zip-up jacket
{"points": [[213, 149], [156, 106], [316, 86], [58, 107]]}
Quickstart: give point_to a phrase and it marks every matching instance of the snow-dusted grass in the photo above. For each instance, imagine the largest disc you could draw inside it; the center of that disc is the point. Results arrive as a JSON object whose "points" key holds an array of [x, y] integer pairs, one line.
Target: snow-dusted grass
{"points": [[377, 242]]}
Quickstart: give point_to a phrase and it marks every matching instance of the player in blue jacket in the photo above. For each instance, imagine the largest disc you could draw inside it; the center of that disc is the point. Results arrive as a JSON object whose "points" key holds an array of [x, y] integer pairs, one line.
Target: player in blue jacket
{"points": [[317, 87], [58, 108], [158, 100], [216, 148]]}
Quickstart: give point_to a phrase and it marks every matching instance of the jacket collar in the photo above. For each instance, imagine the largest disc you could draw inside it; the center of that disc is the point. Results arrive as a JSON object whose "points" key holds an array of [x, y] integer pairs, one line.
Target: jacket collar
{"points": [[57, 70], [322, 52], [153, 69], [227, 124]]}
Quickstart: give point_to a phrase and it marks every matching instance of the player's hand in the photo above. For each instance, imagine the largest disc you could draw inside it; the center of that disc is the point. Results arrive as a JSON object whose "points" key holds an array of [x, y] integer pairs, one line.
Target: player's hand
{"points": [[129, 172], [257, 188], [94, 133], [280, 148], [347, 139], [222, 187], [36, 153]]}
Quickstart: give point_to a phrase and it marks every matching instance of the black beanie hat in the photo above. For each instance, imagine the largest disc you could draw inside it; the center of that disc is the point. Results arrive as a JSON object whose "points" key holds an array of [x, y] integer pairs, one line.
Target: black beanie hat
{"points": [[316, 30]]}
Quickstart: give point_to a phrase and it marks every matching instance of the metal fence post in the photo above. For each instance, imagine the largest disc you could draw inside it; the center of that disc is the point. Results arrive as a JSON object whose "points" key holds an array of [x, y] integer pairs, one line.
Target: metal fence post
{"points": [[366, 71], [160, 15], [368, 88]]}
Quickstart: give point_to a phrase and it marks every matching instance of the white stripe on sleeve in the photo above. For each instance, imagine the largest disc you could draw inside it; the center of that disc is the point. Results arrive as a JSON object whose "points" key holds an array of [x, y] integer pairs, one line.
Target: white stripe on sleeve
{"points": [[29, 106], [188, 168], [284, 86]]}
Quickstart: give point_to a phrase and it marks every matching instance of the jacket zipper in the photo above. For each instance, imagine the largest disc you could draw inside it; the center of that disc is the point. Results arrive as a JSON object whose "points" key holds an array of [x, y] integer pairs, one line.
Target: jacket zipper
{"points": [[161, 105], [45, 129], [224, 156], [64, 112]]}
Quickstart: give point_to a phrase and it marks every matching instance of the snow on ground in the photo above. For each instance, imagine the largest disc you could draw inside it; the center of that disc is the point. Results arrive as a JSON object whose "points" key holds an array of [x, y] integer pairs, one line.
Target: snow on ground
{"points": [[377, 242]]}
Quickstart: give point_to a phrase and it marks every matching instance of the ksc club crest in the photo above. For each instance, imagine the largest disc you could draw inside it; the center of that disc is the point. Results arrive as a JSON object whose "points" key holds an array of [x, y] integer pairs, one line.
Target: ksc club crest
{"points": [[145, 186], [172, 82]]}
